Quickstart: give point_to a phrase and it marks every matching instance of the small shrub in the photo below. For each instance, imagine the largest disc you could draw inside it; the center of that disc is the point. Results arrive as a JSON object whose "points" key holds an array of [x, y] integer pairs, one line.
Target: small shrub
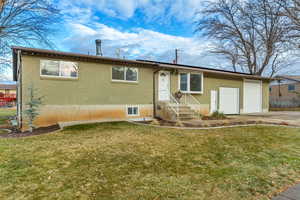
{"points": [[215, 116], [218, 115], [32, 106]]}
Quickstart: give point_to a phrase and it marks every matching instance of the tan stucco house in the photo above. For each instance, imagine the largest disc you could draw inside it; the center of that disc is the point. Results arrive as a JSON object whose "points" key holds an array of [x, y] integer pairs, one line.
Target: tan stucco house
{"points": [[78, 87], [285, 91]]}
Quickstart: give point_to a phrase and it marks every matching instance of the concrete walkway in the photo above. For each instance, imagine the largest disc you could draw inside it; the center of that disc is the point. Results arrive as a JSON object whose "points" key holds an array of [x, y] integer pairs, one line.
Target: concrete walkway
{"points": [[291, 194], [290, 117]]}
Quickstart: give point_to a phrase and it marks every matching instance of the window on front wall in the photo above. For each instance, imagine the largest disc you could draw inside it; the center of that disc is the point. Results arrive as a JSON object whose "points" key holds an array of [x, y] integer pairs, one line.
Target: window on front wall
{"points": [[62, 69], [125, 74], [190, 82], [291, 87]]}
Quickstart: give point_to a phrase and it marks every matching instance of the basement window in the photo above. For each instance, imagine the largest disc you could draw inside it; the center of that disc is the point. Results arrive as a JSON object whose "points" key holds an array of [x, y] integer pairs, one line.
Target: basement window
{"points": [[191, 82], [128, 74], [63, 69], [132, 111]]}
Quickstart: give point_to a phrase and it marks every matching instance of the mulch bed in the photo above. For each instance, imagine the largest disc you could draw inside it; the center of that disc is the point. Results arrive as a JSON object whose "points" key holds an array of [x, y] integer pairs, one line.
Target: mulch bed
{"points": [[212, 123], [213, 118], [38, 131]]}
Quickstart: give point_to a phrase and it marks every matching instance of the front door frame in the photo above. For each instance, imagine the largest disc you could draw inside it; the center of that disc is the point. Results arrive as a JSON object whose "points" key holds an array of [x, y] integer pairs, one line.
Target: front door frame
{"points": [[159, 84]]}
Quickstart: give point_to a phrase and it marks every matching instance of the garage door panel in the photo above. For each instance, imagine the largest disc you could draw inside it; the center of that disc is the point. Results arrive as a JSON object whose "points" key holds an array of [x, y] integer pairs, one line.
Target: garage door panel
{"points": [[252, 97], [229, 100]]}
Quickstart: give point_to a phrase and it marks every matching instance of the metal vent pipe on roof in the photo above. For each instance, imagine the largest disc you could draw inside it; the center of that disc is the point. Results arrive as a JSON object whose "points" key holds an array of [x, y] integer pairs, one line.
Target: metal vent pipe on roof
{"points": [[98, 47]]}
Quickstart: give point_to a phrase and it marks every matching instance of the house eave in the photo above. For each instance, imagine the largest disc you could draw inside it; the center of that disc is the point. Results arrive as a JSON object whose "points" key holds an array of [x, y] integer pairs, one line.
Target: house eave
{"points": [[144, 63]]}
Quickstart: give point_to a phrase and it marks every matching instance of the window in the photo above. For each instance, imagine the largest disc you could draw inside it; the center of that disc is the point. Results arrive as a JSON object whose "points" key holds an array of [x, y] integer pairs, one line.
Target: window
{"points": [[291, 87], [125, 74], [191, 82], [59, 69], [132, 110]]}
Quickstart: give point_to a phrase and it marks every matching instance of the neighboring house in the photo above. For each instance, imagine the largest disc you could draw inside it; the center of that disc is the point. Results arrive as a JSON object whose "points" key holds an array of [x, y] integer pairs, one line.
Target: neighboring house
{"points": [[7, 95], [79, 87], [8, 89], [285, 91]]}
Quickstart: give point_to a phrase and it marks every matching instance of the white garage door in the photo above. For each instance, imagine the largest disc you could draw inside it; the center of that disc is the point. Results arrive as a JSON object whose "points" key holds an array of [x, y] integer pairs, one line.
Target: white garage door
{"points": [[252, 96], [229, 100]]}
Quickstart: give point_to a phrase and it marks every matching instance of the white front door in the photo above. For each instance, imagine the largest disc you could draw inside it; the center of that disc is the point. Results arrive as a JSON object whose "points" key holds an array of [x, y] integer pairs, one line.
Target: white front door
{"points": [[252, 96], [213, 101], [164, 86], [229, 100]]}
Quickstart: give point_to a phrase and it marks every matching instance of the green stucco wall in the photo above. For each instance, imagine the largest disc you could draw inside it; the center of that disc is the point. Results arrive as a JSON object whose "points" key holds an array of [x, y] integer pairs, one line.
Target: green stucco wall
{"points": [[93, 87]]}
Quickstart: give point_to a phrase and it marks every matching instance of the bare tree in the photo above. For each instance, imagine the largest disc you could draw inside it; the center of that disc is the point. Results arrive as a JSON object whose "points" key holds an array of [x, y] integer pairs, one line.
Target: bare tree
{"points": [[292, 10], [252, 34], [229, 52], [25, 22]]}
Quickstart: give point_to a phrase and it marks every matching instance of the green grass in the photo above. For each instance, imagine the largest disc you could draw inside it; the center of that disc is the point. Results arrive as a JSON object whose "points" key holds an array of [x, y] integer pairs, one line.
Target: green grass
{"points": [[5, 113], [114, 161], [3, 131]]}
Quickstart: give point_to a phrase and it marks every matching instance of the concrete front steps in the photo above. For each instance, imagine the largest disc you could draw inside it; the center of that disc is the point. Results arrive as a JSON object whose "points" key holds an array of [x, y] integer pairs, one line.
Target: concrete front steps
{"points": [[184, 112]]}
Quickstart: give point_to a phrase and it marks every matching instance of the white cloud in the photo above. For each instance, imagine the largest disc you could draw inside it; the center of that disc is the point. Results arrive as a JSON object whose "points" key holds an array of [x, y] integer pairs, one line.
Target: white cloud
{"points": [[181, 10], [139, 43]]}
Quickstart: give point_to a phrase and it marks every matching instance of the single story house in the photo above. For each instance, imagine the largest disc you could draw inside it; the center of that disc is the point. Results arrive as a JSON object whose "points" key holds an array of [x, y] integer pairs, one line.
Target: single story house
{"points": [[285, 91], [7, 94], [78, 87], [7, 89]]}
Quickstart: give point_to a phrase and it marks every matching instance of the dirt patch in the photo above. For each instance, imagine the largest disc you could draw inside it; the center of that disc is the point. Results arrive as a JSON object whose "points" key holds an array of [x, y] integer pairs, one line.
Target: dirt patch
{"points": [[38, 131]]}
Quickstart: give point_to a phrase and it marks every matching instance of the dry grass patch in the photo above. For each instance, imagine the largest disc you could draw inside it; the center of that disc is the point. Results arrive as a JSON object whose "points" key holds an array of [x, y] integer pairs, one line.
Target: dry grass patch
{"points": [[5, 113], [125, 161]]}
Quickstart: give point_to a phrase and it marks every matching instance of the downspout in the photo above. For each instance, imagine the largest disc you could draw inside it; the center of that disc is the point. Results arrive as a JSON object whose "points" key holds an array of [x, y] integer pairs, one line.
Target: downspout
{"points": [[279, 94], [154, 93], [19, 91]]}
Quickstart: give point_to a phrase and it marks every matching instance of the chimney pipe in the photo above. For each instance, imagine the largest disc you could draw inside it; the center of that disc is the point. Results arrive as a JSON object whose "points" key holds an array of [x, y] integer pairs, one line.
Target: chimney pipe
{"points": [[98, 48]]}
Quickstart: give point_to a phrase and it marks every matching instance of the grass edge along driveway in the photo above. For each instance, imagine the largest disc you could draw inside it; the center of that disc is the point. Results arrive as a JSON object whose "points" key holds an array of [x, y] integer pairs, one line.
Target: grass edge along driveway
{"points": [[125, 161]]}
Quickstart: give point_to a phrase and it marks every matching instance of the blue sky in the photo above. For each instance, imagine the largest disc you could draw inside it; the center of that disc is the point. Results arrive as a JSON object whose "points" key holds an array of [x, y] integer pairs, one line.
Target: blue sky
{"points": [[141, 29]]}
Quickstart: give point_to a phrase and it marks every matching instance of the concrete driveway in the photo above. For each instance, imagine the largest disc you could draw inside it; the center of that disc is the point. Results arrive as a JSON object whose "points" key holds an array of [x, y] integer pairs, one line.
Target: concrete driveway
{"points": [[289, 117]]}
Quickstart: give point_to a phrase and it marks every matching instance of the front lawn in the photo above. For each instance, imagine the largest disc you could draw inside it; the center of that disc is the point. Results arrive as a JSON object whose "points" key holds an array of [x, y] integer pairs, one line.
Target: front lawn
{"points": [[5, 113], [113, 161]]}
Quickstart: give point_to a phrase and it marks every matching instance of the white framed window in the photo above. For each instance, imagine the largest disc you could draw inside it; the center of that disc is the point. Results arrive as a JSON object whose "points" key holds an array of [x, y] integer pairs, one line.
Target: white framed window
{"points": [[62, 69], [128, 74], [133, 110], [191, 82]]}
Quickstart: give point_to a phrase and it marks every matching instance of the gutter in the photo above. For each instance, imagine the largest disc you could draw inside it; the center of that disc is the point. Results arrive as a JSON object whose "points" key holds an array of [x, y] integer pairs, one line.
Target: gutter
{"points": [[225, 73], [154, 93], [19, 89]]}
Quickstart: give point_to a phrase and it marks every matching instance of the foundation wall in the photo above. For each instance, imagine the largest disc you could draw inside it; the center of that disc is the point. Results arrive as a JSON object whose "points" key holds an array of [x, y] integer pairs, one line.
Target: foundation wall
{"points": [[53, 114]]}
